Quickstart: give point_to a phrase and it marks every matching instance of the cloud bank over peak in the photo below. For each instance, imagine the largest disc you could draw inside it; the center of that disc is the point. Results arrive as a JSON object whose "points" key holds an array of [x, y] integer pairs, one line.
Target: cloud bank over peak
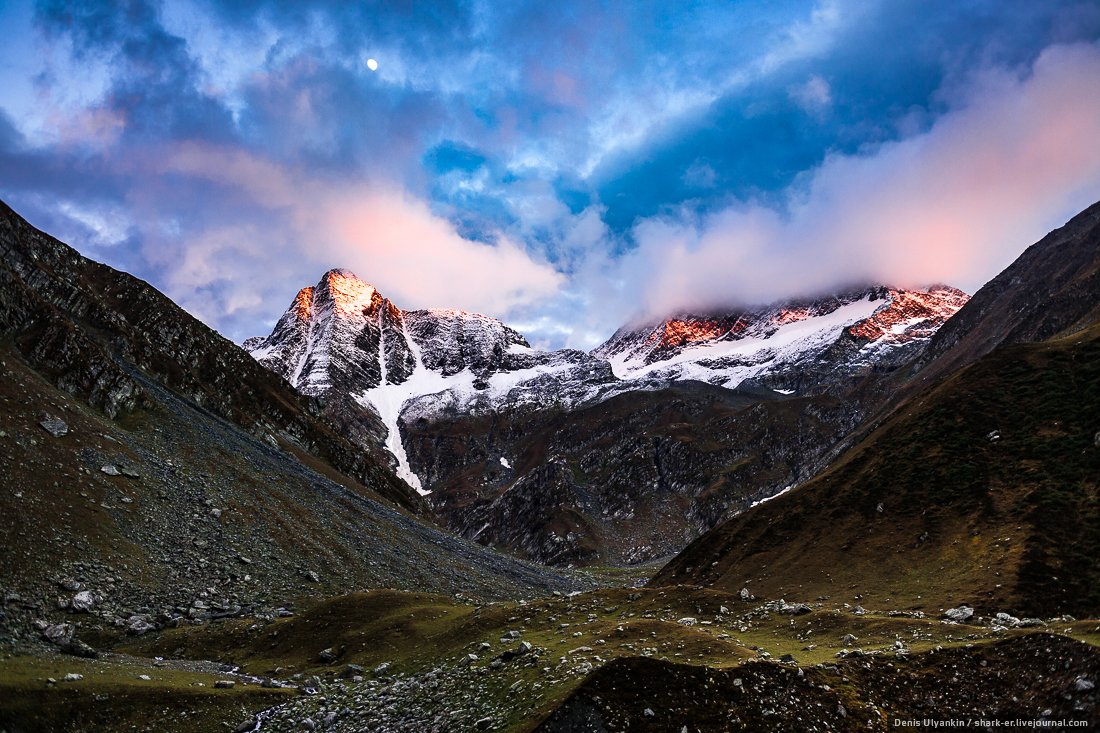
{"points": [[1014, 156]]}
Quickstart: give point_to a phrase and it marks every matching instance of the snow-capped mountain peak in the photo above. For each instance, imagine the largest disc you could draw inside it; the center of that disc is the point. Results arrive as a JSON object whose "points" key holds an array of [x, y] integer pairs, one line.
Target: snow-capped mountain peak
{"points": [[728, 348], [342, 339]]}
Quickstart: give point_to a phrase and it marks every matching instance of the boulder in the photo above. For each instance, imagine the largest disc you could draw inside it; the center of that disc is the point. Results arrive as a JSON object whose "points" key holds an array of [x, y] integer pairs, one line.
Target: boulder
{"points": [[84, 601], [138, 625], [352, 670], [959, 614], [77, 648], [55, 426]]}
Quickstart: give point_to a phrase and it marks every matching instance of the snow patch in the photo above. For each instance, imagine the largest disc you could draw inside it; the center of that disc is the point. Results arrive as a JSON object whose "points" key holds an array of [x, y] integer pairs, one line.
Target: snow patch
{"points": [[769, 498]]}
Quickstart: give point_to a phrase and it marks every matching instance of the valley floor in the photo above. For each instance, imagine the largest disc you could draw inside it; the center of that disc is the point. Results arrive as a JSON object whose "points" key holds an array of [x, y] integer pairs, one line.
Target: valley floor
{"points": [[604, 660]]}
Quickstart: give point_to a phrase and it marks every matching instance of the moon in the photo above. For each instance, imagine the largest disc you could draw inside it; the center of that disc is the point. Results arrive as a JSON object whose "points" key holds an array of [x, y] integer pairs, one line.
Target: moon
{"points": [[372, 64]]}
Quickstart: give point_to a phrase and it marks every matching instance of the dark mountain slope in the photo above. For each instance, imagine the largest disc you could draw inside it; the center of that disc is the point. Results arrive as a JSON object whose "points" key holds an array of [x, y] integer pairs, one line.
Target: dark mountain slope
{"points": [[1054, 286], [984, 490], [987, 482], [85, 326], [627, 480], [171, 505]]}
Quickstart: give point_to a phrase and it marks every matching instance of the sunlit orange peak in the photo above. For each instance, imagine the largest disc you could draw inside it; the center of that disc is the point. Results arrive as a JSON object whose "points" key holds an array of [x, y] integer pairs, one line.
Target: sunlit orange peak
{"points": [[679, 332], [303, 303], [351, 296]]}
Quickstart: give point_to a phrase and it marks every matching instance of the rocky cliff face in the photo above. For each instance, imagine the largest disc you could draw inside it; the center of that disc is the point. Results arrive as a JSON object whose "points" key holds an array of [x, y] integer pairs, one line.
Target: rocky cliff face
{"points": [[792, 346], [622, 455]]}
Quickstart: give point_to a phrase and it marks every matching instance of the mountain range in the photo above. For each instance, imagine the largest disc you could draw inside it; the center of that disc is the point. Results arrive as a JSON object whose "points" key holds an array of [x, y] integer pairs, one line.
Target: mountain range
{"points": [[829, 513], [537, 452]]}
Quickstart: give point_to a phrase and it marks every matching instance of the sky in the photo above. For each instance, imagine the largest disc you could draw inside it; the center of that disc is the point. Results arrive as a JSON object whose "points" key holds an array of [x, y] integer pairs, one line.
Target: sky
{"points": [[568, 167]]}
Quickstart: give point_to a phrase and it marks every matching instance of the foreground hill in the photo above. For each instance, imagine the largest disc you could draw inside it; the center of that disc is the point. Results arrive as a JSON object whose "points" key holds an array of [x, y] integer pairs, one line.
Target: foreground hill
{"points": [[982, 489]]}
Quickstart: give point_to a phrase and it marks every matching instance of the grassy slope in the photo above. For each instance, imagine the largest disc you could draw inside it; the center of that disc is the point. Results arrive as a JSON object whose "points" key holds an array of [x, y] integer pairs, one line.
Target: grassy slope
{"points": [[419, 632], [1006, 524]]}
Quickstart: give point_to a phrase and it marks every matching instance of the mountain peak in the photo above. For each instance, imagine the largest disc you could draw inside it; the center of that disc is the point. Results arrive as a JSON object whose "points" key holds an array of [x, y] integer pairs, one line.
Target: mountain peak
{"points": [[350, 295]]}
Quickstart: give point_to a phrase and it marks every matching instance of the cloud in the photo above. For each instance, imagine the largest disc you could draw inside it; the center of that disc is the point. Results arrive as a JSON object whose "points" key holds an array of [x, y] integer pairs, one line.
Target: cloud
{"points": [[1015, 156], [296, 226], [814, 95], [571, 163]]}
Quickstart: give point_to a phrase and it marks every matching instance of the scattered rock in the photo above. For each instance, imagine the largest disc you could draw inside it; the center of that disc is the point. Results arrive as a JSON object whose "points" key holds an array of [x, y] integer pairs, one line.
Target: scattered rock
{"points": [[745, 595], [72, 677], [1083, 684], [138, 625], [352, 670], [83, 602], [794, 609], [1004, 619], [55, 426], [381, 668], [960, 614], [110, 470], [687, 621], [328, 656], [848, 639]]}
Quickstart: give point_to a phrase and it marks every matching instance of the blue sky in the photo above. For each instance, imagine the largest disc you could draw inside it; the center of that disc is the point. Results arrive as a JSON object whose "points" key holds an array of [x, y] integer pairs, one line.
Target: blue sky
{"points": [[565, 166]]}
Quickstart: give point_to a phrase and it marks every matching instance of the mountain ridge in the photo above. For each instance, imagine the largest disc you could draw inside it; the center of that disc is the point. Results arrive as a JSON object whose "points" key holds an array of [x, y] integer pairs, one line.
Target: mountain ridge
{"points": [[978, 486]]}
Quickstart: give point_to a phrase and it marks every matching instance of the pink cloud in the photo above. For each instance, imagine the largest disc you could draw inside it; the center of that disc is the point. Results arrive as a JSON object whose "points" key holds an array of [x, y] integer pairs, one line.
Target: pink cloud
{"points": [[386, 236], [1014, 157]]}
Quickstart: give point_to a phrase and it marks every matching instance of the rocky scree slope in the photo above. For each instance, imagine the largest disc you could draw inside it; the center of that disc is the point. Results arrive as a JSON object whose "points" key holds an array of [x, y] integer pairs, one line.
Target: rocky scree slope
{"points": [[86, 327], [172, 515]]}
